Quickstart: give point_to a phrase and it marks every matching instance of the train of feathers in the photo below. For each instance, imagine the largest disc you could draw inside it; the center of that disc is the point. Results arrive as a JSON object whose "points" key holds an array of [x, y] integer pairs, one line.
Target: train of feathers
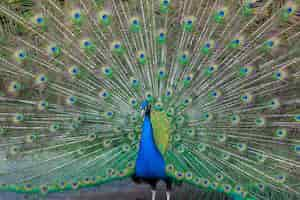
{"points": [[222, 78]]}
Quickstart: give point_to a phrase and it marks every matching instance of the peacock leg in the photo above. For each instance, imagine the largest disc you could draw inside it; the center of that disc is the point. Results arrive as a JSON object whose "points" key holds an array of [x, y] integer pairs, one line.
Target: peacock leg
{"points": [[169, 188], [168, 194], [153, 194], [153, 183]]}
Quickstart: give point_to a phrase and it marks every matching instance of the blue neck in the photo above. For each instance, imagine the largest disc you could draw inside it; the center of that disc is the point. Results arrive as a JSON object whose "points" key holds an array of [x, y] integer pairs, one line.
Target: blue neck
{"points": [[150, 163], [147, 131]]}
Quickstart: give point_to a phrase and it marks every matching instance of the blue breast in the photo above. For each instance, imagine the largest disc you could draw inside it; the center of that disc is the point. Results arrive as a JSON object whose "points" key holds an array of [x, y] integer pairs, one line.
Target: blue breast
{"points": [[150, 163]]}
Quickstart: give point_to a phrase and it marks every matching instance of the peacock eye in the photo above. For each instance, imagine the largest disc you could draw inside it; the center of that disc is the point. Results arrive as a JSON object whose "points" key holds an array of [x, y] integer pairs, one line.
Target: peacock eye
{"points": [[221, 13], [77, 15], [54, 49], [270, 43], [104, 17], [130, 165], [39, 20], [44, 189], [289, 10], [135, 22], [278, 74], [22, 55], [74, 71], [87, 43], [74, 184], [72, 99], [43, 79]]}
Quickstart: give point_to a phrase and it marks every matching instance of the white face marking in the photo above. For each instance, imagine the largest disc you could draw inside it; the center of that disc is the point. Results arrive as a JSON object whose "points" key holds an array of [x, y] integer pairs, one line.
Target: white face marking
{"points": [[143, 113]]}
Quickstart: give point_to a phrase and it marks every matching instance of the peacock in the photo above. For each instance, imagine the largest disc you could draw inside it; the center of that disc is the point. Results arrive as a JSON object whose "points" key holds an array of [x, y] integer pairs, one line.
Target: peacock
{"points": [[201, 92], [150, 164]]}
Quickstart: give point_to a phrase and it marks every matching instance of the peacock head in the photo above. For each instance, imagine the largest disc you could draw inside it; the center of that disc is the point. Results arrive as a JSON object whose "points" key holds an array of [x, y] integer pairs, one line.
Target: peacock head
{"points": [[146, 108]]}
